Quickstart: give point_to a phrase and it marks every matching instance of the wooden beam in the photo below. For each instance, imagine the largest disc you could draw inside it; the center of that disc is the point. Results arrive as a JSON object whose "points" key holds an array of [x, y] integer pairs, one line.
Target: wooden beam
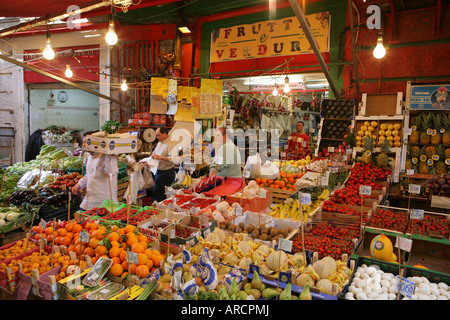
{"points": [[55, 77], [304, 24]]}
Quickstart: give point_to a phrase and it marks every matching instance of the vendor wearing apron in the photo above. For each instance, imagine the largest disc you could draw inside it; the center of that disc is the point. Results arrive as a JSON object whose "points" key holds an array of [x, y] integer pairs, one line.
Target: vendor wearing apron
{"points": [[165, 173], [227, 158]]}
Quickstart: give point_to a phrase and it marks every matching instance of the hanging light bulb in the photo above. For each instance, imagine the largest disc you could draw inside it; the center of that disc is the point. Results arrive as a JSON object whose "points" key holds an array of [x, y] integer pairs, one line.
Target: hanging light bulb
{"points": [[286, 88], [275, 91], [111, 36], [48, 52], [379, 51], [68, 72], [124, 86]]}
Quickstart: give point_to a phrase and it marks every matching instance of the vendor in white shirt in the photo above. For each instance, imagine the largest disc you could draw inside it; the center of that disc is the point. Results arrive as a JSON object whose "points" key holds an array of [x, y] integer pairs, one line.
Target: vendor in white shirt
{"points": [[165, 173]]}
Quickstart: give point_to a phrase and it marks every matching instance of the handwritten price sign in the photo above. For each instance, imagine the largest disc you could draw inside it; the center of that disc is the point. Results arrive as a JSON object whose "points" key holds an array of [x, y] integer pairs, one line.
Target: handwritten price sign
{"points": [[403, 244], [132, 257], [414, 188], [416, 214], [285, 245], [305, 198], [406, 288], [365, 190]]}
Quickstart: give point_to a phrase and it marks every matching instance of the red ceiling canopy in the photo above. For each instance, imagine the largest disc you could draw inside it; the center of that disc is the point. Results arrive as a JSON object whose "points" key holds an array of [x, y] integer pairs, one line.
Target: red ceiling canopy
{"points": [[33, 8]]}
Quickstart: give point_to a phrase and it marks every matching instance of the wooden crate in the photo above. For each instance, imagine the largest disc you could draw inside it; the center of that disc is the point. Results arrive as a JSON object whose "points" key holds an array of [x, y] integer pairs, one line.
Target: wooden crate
{"points": [[121, 188], [373, 104], [279, 196]]}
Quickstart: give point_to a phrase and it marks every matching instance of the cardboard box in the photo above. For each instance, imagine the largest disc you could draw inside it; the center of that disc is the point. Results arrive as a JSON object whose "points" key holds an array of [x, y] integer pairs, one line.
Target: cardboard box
{"points": [[111, 145], [373, 104]]}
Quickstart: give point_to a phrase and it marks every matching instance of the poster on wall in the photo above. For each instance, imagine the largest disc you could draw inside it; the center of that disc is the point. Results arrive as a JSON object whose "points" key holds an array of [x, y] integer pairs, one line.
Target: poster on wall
{"points": [[184, 110], [430, 97], [158, 95], [269, 38]]}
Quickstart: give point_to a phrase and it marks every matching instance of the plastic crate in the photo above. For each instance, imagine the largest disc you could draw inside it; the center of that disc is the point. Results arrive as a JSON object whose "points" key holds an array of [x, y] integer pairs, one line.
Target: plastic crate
{"points": [[432, 276], [48, 213], [383, 265]]}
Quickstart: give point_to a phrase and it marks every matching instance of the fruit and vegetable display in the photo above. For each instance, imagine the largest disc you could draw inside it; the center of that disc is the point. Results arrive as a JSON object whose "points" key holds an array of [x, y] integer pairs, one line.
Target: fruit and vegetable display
{"points": [[428, 149], [43, 196], [369, 282], [57, 134], [397, 220], [439, 186]]}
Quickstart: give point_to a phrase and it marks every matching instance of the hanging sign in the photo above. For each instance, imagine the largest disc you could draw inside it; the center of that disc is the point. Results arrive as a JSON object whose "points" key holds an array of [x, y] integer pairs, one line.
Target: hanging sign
{"points": [[269, 38]]}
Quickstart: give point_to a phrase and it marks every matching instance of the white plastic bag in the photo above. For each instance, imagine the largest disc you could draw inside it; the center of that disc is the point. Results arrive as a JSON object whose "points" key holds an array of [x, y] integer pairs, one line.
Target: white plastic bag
{"points": [[148, 178], [269, 171], [253, 166]]}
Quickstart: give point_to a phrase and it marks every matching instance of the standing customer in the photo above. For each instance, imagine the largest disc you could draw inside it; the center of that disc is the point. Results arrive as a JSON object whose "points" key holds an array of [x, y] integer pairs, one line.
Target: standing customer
{"points": [[100, 168], [295, 146], [227, 158], [165, 173]]}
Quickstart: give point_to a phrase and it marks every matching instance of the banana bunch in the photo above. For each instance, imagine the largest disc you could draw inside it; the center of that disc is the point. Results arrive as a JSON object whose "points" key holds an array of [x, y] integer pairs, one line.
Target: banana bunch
{"points": [[182, 180], [289, 211], [324, 195]]}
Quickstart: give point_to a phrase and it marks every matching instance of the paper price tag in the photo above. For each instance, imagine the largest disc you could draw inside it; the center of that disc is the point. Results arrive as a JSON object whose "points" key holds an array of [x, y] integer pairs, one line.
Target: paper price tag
{"points": [[365, 190], [132, 257], [410, 172], [331, 149], [324, 180], [305, 198], [285, 245], [262, 193], [408, 131], [219, 160], [128, 199], [414, 188], [172, 233], [70, 196], [403, 244], [406, 288], [416, 214], [349, 151], [42, 224], [84, 236], [238, 210]]}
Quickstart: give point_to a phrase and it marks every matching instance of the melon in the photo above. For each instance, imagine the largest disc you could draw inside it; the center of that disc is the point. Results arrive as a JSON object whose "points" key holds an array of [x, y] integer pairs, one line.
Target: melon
{"points": [[381, 248]]}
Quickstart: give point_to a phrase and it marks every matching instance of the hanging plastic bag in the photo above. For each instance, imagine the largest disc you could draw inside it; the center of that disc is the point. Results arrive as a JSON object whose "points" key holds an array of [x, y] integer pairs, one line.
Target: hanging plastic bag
{"points": [[253, 166], [148, 178]]}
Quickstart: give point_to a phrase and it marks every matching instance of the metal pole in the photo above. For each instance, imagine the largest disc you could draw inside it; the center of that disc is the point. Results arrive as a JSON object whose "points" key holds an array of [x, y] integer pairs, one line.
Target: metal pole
{"points": [[352, 28], [304, 24], [55, 77]]}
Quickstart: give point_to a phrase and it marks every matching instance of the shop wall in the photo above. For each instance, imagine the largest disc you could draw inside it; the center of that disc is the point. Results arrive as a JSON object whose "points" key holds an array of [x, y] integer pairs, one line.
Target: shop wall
{"points": [[416, 51], [206, 25], [80, 111]]}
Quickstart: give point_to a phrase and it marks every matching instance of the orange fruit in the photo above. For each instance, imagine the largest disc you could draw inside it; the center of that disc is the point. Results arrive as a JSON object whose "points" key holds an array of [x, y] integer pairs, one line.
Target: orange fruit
{"points": [[114, 252], [142, 238], [121, 231], [157, 260], [132, 240], [116, 260], [79, 249], [93, 226], [65, 241], [49, 230], [142, 271], [62, 232], [124, 275], [129, 228], [133, 268], [89, 251], [101, 250], [149, 264], [148, 253], [123, 255], [155, 252], [69, 235], [125, 265], [142, 258], [50, 239], [114, 227], [113, 236], [77, 228], [115, 244], [100, 234], [258, 180], [69, 226], [137, 247], [93, 243], [116, 270]]}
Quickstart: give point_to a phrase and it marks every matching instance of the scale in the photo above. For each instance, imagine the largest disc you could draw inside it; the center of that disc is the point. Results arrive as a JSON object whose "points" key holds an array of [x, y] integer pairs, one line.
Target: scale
{"points": [[149, 135]]}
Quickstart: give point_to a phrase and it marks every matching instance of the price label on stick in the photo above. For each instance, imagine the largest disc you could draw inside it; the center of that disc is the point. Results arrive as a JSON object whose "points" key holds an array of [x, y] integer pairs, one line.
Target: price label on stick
{"points": [[172, 233], [238, 210], [132, 257], [410, 172], [406, 288], [262, 193], [84, 236], [365, 190], [325, 179], [305, 198], [416, 214], [403, 244], [285, 245], [414, 188], [43, 224]]}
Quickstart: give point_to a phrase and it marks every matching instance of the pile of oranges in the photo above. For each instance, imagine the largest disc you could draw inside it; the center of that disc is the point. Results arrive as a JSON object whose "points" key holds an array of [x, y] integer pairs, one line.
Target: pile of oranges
{"points": [[109, 241], [285, 182]]}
